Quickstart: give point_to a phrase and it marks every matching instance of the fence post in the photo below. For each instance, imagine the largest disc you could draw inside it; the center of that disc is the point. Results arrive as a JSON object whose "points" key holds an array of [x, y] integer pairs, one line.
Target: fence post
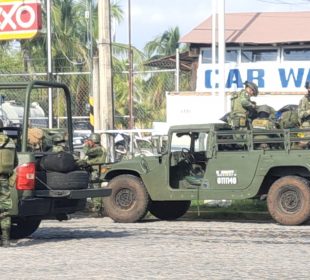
{"points": [[177, 68]]}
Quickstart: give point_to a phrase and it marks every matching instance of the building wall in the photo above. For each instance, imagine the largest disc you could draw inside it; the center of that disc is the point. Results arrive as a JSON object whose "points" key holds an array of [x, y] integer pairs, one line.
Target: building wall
{"points": [[190, 108], [280, 73], [280, 69]]}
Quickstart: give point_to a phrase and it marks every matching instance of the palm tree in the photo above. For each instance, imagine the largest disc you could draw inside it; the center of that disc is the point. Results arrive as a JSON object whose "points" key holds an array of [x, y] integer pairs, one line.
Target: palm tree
{"points": [[164, 44], [157, 84]]}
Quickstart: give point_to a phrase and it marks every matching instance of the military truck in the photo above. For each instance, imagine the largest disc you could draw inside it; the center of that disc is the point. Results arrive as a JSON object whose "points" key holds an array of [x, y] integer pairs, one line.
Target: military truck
{"points": [[214, 162], [38, 193]]}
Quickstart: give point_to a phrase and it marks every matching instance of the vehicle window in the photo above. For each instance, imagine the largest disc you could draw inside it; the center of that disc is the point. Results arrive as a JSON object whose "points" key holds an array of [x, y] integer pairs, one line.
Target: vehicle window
{"points": [[180, 141], [201, 143]]}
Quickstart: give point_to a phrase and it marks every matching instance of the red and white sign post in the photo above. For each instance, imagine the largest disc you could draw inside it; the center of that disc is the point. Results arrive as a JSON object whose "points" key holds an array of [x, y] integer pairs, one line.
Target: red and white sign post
{"points": [[20, 19]]}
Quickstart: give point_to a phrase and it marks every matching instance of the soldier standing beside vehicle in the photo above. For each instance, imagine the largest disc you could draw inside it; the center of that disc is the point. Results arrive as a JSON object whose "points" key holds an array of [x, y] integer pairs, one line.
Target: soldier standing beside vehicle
{"points": [[242, 107], [95, 155], [7, 163]]}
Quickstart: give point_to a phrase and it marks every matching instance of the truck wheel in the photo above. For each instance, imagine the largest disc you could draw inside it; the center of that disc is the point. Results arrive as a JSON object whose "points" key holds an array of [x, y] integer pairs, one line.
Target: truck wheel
{"points": [[23, 227], [288, 200], [169, 210], [129, 200]]}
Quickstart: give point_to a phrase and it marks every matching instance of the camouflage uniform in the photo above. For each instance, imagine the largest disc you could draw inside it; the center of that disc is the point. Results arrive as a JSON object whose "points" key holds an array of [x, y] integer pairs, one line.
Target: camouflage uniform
{"points": [[5, 193], [59, 143], [95, 155], [242, 108], [304, 114], [5, 206]]}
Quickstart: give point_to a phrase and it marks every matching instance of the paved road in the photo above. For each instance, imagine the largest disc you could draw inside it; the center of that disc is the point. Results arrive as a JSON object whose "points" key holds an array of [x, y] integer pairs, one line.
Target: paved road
{"points": [[97, 248]]}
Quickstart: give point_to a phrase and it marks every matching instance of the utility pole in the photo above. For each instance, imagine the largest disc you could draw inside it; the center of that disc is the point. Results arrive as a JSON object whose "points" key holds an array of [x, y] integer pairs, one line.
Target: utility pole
{"points": [[105, 95], [221, 51], [130, 72], [49, 63]]}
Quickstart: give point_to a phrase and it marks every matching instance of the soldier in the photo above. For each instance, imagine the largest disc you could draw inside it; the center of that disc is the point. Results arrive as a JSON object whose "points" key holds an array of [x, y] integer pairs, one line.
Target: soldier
{"points": [[304, 114], [242, 108], [95, 155], [59, 143], [304, 108], [5, 193]]}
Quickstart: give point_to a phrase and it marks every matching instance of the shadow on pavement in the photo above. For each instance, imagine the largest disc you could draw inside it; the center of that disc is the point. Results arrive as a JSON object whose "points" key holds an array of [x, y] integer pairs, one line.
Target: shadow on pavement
{"points": [[60, 234]]}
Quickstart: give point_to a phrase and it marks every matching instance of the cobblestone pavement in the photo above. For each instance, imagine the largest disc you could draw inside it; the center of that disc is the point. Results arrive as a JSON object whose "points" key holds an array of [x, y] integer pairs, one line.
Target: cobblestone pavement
{"points": [[97, 248]]}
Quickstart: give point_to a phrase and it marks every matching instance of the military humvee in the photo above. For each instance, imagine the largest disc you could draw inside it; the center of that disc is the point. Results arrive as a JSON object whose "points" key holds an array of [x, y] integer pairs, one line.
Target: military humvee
{"points": [[39, 194], [214, 162]]}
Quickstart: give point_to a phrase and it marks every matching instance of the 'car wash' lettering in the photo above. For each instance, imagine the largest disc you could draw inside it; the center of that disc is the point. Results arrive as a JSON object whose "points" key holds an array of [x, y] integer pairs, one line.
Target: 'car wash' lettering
{"points": [[284, 77], [234, 78], [297, 79]]}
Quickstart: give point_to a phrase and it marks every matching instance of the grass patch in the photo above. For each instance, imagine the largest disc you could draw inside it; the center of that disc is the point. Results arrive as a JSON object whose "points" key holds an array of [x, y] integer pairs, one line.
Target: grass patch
{"points": [[238, 209]]}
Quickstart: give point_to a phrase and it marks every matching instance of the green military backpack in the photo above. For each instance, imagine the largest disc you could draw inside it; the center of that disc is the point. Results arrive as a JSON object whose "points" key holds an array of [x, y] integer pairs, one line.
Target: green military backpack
{"points": [[7, 155], [289, 119]]}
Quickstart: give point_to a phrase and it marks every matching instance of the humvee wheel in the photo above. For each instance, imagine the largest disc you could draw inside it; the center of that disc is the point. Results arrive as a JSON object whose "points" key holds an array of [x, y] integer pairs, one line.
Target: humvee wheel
{"points": [[288, 200], [23, 227], [169, 210], [129, 200]]}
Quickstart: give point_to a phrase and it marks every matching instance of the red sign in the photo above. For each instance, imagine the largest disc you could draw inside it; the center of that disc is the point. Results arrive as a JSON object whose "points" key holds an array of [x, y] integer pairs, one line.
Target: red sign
{"points": [[19, 19]]}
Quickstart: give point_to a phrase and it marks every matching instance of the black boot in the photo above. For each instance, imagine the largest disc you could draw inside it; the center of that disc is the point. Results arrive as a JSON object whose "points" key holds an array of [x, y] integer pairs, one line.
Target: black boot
{"points": [[5, 238], [5, 243]]}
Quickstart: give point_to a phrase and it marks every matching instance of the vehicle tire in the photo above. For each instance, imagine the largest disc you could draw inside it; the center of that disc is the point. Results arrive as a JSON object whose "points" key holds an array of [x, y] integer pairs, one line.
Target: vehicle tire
{"points": [[169, 210], [288, 200], [129, 200], [74, 180], [23, 227]]}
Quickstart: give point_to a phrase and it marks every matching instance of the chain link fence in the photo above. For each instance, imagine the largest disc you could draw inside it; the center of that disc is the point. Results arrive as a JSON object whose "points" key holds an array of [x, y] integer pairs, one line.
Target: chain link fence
{"points": [[12, 100], [149, 94]]}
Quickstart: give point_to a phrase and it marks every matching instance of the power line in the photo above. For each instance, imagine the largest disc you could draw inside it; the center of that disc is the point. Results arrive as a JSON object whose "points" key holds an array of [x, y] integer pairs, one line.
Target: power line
{"points": [[285, 2]]}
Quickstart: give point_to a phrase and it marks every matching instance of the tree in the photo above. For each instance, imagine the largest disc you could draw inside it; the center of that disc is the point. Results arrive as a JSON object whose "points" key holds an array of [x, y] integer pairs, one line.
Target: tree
{"points": [[155, 85], [164, 44]]}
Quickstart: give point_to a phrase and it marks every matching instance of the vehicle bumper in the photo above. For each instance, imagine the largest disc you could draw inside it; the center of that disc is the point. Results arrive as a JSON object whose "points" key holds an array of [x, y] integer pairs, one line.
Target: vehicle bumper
{"points": [[50, 203], [74, 194]]}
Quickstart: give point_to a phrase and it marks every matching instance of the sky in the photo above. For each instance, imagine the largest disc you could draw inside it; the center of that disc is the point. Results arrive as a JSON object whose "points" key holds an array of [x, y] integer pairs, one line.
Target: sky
{"points": [[151, 18]]}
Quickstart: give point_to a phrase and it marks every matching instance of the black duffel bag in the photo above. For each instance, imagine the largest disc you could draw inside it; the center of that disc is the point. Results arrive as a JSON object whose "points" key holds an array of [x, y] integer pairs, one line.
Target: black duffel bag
{"points": [[58, 162]]}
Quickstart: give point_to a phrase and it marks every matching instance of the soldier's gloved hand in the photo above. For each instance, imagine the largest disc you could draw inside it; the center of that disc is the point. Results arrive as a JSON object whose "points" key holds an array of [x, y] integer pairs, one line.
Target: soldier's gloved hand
{"points": [[82, 163]]}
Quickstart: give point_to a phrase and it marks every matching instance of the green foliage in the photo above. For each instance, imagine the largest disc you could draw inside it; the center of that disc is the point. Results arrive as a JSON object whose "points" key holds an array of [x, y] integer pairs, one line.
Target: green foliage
{"points": [[71, 50], [245, 205]]}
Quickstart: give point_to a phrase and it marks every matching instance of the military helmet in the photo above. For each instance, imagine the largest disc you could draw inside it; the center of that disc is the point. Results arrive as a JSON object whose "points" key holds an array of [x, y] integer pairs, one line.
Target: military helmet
{"points": [[95, 137], [57, 138], [264, 108], [307, 85], [253, 86]]}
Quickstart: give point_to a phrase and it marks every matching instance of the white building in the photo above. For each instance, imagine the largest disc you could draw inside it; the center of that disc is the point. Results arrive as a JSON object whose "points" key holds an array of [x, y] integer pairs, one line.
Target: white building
{"points": [[270, 49]]}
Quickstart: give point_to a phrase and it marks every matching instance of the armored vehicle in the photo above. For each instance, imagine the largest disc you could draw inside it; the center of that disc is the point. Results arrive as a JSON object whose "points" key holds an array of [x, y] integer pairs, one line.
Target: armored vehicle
{"points": [[214, 162], [46, 185]]}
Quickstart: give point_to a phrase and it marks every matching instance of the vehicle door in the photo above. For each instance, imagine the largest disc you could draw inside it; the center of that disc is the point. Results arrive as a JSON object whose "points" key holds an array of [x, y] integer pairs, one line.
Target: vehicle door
{"points": [[232, 167]]}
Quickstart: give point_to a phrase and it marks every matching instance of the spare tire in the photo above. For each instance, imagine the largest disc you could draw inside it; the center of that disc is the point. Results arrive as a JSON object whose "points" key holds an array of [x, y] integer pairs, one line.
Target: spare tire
{"points": [[74, 180], [41, 180]]}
